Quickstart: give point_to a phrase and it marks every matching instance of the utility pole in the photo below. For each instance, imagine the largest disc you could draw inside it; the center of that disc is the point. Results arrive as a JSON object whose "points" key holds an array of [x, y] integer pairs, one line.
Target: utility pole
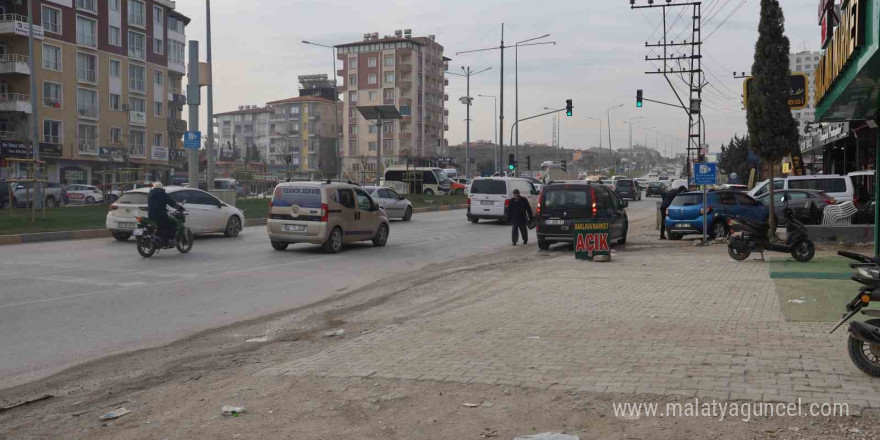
{"points": [[209, 180], [468, 101], [193, 99], [609, 126], [35, 139]]}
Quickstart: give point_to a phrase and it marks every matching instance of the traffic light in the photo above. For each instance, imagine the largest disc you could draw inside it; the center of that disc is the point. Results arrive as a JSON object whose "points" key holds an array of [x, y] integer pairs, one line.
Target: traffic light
{"points": [[529, 163], [568, 107], [511, 162], [564, 165], [639, 98]]}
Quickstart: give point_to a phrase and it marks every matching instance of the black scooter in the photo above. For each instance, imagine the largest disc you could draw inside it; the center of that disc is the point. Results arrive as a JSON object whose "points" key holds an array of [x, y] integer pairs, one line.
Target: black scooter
{"points": [[754, 234], [864, 337]]}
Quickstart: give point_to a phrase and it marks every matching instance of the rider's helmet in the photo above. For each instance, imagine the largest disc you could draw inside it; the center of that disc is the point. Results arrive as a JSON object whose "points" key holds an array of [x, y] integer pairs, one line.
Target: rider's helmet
{"points": [[158, 185]]}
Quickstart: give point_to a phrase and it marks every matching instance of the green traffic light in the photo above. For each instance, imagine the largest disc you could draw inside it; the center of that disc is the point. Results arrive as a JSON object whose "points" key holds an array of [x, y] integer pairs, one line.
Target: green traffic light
{"points": [[638, 104], [567, 113], [510, 167]]}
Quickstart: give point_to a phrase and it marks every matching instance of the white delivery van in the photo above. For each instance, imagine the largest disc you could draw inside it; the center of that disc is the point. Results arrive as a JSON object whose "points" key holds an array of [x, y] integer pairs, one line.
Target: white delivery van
{"points": [[837, 186], [489, 197]]}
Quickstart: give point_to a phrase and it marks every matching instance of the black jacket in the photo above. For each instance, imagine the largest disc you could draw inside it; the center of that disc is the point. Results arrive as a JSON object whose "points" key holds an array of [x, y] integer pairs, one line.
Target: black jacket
{"points": [[157, 203], [519, 211], [670, 196]]}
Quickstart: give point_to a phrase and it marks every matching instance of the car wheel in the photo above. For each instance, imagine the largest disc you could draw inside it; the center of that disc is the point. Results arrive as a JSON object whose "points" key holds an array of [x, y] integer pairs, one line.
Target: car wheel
{"points": [[121, 236], [334, 241], [622, 241], [717, 230], [233, 226], [474, 220], [543, 244], [674, 236], [279, 245], [407, 216], [51, 202], [381, 236], [429, 192], [90, 200]]}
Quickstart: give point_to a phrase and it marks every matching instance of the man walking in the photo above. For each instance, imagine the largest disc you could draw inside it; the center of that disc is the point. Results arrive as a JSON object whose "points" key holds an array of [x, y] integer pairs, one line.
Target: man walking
{"points": [[670, 196], [519, 214]]}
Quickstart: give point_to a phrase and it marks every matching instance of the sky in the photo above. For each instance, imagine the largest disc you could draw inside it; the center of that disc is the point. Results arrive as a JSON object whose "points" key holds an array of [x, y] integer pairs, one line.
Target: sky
{"points": [[598, 60]]}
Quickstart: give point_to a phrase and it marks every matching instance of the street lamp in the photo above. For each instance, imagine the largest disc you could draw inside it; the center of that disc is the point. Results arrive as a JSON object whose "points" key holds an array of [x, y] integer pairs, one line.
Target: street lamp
{"points": [[630, 123], [558, 139], [495, 124], [336, 128], [516, 73], [609, 124], [468, 73]]}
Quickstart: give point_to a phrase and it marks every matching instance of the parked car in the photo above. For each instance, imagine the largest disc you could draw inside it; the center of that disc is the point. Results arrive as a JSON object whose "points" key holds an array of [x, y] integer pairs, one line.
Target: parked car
{"points": [[329, 214], [114, 194], [839, 187], [734, 186], [643, 183], [627, 189], [685, 215], [394, 204], [679, 184], [489, 197], [4, 194], [609, 183], [23, 194], [84, 194], [663, 177], [796, 199], [205, 213], [456, 187], [656, 189], [562, 203], [618, 177]]}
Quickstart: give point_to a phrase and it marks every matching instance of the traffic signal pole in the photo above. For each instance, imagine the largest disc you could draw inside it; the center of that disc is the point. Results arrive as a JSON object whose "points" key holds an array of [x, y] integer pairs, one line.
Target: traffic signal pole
{"points": [[515, 124]]}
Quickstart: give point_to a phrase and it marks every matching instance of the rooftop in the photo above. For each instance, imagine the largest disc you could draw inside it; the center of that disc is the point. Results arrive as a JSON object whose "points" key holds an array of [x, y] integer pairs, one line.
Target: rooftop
{"points": [[245, 111], [301, 99]]}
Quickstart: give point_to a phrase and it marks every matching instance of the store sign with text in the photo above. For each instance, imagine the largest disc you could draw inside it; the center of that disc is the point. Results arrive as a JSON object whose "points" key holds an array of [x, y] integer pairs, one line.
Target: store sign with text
{"points": [[843, 43], [591, 239], [159, 153]]}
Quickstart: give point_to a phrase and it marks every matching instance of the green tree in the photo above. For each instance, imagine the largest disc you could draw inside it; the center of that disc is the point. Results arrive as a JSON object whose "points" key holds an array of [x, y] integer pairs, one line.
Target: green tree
{"points": [[772, 129], [735, 157]]}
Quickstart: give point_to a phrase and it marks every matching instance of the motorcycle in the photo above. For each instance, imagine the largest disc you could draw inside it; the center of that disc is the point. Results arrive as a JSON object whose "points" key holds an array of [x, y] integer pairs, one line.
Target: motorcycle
{"points": [[754, 234], [864, 337], [149, 242]]}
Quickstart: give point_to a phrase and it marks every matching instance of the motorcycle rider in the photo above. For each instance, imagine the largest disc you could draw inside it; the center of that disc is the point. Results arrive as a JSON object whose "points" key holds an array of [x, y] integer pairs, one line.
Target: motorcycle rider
{"points": [[158, 202]]}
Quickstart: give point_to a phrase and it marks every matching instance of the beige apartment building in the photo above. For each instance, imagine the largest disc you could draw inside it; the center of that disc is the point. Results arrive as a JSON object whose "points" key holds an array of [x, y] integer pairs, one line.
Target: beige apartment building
{"points": [[109, 91], [401, 70]]}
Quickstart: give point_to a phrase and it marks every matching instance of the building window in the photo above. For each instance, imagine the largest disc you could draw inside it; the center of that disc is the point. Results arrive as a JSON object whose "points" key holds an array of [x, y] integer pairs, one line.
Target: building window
{"points": [[372, 145], [352, 97], [87, 139], [371, 96], [114, 68], [136, 13], [52, 20], [115, 101], [115, 136], [388, 127], [352, 114], [86, 67], [175, 52], [51, 57], [158, 45], [87, 103], [372, 79], [157, 139], [352, 63], [137, 44], [158, 78], [371, 62], [388, 146], [114, 5], [388, 95], [51, 131], [114, 36], [52, 95], [136, 143], [86, 31], [352, 80], [175, 25], [157, 109], [405, 110], [352, 148], [374, 128], [137, 104], [87, 5], [388, 61], [294, 110], [136, 78], [352, 129], [158, 17], [389, 77]]}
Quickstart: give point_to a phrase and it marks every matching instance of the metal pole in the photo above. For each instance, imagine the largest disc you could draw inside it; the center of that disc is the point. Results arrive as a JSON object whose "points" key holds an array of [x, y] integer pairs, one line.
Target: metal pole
{"points": [[467, 102], [516, 91], [630, 134], [501, 116], [337, 129], [193, 93], [35, 119], [379, 153], [876, 196], [209, 179], [609, 131], [495, 123]]}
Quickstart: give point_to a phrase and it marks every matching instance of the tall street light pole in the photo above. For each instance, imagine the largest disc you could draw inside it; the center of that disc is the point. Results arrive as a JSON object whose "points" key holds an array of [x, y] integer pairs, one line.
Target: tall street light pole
{"points": [[516, 73], [558, 139], [494, 124], [609, 124], [468, 101], [600, 130], [630, 123], [336, 128], [209, 179]]}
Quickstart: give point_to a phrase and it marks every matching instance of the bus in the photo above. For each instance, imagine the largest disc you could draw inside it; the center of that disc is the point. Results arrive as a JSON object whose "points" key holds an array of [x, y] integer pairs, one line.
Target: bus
{"points": [[417, 180], [553, 172]]}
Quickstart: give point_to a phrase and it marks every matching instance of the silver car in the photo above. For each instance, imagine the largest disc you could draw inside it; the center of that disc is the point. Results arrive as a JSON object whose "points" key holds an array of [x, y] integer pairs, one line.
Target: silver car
{"points": [[396, 205]]}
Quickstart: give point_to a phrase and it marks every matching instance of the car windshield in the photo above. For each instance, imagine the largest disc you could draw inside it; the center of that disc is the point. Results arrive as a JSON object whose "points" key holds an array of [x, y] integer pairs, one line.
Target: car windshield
{"points": [[137, 198], [622, 183], [303, 196], [488, 187], [566, 199], [687, 200], [655, 184]]}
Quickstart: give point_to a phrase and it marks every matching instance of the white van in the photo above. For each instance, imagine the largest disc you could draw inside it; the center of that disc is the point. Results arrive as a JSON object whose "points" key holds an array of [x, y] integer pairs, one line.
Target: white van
{"points": [[837, 186], [489, 197]]}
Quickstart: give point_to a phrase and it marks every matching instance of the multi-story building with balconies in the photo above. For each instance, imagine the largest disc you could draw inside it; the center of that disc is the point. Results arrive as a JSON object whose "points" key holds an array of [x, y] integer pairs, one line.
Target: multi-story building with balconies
{"points": [[401, 70], [108, 76]]}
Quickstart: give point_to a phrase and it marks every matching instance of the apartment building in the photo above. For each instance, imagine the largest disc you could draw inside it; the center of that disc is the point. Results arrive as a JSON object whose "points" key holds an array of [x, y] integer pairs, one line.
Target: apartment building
{"points": [[247, 127], [805, 62], [108, 76], [401, 70]]}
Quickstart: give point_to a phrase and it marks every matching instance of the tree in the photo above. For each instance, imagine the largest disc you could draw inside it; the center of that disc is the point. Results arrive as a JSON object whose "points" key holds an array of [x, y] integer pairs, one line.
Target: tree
{"points": [[735, 157], [772, 129]]}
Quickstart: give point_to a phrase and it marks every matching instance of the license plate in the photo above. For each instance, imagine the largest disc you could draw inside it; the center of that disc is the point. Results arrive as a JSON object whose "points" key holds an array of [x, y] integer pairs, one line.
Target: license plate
{"points": [[487, 202], [137, 232], [555, 222], [682, 225], [293, 228], [126, 225]]}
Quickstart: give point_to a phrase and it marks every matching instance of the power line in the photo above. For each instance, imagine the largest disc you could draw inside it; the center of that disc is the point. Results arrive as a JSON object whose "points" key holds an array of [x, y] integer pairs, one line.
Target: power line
{"points": [[740, 5]]}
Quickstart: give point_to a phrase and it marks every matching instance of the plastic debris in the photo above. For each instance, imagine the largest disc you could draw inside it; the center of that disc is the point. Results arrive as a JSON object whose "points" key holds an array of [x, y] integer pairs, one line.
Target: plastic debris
{"points": [[115, 414], [470, 405], [335, 334], [796, 301], [549, 436], [233, 411]]}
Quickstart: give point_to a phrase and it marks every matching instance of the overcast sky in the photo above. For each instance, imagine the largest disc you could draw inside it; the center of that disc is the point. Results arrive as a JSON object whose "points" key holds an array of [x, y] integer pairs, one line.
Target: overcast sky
{"points": [[598, 61]]}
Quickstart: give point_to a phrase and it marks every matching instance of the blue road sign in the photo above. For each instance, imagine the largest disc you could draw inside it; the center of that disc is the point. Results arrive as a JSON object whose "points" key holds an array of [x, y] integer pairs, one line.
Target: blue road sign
{"points": [[705, 173], [192, 140]]}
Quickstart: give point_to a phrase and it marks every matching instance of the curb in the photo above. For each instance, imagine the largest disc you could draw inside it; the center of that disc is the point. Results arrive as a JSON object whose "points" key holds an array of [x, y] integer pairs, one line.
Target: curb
{"points": [[100, 233]]}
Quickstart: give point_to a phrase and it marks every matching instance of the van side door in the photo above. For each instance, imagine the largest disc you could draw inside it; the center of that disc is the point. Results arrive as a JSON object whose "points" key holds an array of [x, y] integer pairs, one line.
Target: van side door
{"points": [[348, 215], [367, 216]]}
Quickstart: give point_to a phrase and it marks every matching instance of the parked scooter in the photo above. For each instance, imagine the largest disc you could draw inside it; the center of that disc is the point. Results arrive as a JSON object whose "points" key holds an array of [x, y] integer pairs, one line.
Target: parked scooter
{"points": [[754, 234], [864, 337], [148, 241]]}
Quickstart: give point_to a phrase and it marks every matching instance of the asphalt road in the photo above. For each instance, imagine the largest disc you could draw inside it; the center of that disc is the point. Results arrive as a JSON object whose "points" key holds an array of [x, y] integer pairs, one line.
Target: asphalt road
{"points": [[64, 303]]}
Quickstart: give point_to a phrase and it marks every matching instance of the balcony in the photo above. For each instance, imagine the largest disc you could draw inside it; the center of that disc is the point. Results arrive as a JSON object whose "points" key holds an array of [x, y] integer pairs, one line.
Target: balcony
{"points": [[279, 117], [405, 84], [176, 99], [446, 97], [404, 67], [176, 125], [87, 111], [15, 102], [51, 103], [15, 64], [87, 75], [87, 146], [14, 24]]}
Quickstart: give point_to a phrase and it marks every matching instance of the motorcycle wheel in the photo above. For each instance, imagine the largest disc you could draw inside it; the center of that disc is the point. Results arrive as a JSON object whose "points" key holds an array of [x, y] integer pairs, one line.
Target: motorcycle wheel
{"points": [[736, 253], [804, 251], [145, 246], [865, 356], [184, 241]]}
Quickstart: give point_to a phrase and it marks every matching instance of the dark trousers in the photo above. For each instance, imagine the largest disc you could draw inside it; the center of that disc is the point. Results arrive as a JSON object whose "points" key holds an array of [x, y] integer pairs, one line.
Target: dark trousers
{"points": [[663, 223], [522, 228], [165, 228]]}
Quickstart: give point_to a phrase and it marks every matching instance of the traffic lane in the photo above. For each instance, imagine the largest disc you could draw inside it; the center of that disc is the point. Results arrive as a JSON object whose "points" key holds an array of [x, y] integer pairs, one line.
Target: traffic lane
{"points": [[48, 322]]}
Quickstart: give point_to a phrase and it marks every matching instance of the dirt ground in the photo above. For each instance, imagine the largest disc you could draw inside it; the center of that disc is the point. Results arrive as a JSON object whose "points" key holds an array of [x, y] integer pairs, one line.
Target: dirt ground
{"points": [[177, 391]]}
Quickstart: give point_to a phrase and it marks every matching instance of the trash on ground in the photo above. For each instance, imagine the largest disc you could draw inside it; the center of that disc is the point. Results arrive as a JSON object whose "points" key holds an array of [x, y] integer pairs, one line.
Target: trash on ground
{"points": [[258, 339], [335, 333], [115, 414], [534, 337], [233, 411], [796, 301], [548, 436], [26, 402], [470, 405]]}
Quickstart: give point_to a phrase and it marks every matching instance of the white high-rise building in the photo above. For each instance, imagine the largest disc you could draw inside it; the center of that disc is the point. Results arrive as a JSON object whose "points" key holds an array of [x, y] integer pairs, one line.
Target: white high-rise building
{"points": [[805, 62]]}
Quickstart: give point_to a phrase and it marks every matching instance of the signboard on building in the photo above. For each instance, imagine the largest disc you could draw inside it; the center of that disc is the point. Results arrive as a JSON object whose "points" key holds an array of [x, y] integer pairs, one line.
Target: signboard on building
{"points": [[705, 173], [799, 96], [192, 140], [137, 117], [50, 150], [14, 149], [21, 28], [829, 17], [591, 239], [159, 153]]}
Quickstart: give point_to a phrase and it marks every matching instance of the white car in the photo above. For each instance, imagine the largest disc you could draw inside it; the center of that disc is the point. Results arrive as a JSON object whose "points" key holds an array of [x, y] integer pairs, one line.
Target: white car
{"points": [[206, 213], [394, 204], [84, 194]]}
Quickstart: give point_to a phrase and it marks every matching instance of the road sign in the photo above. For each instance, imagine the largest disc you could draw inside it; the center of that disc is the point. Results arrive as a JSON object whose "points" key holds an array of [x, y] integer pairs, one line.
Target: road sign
{"points": [[705, 173], [798, 98], [192, 140], [591, 239]]}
